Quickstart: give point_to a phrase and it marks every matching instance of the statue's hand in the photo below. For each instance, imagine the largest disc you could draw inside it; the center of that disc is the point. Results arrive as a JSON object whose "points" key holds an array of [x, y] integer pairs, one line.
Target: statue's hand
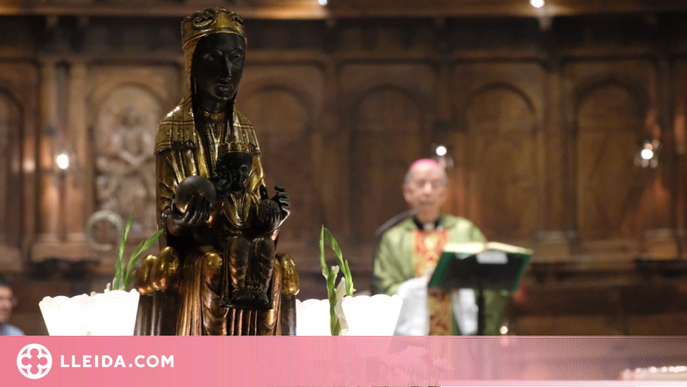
{"points": [[282, 199], [197, 213], [269, 214], [263, 193]]}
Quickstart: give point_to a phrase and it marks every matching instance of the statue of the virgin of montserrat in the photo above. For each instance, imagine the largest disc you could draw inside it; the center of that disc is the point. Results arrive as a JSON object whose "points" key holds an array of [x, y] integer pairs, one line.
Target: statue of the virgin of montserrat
{"points": [[217, 272]]}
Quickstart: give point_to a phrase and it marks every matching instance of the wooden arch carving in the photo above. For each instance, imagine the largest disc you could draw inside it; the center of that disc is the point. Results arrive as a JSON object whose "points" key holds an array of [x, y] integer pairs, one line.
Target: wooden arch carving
{"points": [[388, 133], [609, 117], [501, 152], [532, 103], [282, 115], [106, 89]]}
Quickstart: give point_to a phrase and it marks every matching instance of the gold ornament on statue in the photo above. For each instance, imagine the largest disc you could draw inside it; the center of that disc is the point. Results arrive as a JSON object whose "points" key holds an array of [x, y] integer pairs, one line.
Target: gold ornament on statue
{"points": [[234, 147], [211, 21]]}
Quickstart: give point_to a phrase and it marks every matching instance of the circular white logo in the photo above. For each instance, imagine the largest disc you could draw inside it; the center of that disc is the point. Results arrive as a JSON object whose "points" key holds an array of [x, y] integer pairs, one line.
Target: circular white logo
{"points": [[34, 361]]}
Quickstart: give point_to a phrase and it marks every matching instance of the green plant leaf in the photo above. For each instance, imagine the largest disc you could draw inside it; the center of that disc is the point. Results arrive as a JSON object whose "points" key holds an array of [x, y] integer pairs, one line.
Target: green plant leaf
{"points": [[117, 282], [143, 246], [335, 247], [330, 275], [128, 267], [323, 263], [334, 324], [343, 264], [129, 279], [349, 279]]}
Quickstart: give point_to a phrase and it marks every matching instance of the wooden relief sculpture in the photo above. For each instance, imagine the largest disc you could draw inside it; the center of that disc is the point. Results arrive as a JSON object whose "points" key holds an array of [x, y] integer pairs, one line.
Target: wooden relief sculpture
{"points": [[124, 164], [217, 272]]}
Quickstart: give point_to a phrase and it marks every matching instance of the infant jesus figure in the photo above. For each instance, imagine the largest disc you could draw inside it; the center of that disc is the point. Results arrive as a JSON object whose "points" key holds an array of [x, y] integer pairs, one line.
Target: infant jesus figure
{"points": [[245, 224]]}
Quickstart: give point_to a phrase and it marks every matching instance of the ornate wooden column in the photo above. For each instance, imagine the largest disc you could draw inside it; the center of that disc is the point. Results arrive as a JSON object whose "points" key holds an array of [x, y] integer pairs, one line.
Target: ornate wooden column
{"points": [[557, 217], [78, 198], [663, 239], [332, 142], [48, 216], [63, 194], [448, 127]]}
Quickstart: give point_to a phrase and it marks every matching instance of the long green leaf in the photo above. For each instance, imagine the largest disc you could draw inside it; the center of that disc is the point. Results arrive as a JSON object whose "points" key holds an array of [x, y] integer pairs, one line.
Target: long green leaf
{"points": [[143, 246], [323, 263], [117, 282], [334, 323], [349, 279], [330, 275], [129, 279], [335, 246], [343, 264], [128, 267]]}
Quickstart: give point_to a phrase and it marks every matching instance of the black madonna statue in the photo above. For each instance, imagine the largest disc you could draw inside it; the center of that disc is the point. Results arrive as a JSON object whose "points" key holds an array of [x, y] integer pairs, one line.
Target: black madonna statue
{"points": [[217, 272]]}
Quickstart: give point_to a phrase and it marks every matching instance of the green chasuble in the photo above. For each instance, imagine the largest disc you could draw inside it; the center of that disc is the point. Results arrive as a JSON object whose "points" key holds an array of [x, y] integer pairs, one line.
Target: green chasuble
{"points": [[405, 252]]}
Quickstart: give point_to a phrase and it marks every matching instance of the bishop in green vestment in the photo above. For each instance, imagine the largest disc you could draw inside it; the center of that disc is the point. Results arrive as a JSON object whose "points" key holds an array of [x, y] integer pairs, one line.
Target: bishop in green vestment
{"points": [[409, 251]]}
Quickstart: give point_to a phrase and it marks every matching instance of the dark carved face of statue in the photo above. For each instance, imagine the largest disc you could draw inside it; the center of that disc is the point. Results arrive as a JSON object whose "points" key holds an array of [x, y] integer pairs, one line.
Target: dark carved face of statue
{"points": [[217, 68], [232, 172]]}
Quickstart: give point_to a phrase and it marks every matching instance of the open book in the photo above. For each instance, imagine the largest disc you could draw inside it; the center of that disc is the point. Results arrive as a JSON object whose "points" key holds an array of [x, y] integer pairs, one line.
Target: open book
{"points": [[488, 265], [478, 247]]}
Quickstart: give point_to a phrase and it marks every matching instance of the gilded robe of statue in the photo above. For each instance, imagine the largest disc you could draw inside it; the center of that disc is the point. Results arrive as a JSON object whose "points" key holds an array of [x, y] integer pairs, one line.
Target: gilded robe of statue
{"points": [[184, 278]]}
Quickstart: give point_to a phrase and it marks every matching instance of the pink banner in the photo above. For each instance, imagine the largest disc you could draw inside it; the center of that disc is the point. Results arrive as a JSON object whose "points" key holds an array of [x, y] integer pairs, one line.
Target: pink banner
{"points": [[335, 361]]}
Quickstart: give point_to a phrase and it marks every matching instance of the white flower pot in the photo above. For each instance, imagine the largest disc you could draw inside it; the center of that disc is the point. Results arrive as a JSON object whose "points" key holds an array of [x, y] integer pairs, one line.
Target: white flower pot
{"points": [[365, 316], [372, 316], [112, 313], [312, 318]]}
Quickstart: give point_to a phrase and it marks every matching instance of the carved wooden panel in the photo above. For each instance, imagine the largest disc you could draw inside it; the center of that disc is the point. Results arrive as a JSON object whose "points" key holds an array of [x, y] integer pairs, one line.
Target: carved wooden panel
{"points": [[283, 123], [18, 160], [388, 114], [386, 139], [10, 170], [501, 156], [283, 103], [496, 143], [610, 120], [127, 106], [125, 136]]}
